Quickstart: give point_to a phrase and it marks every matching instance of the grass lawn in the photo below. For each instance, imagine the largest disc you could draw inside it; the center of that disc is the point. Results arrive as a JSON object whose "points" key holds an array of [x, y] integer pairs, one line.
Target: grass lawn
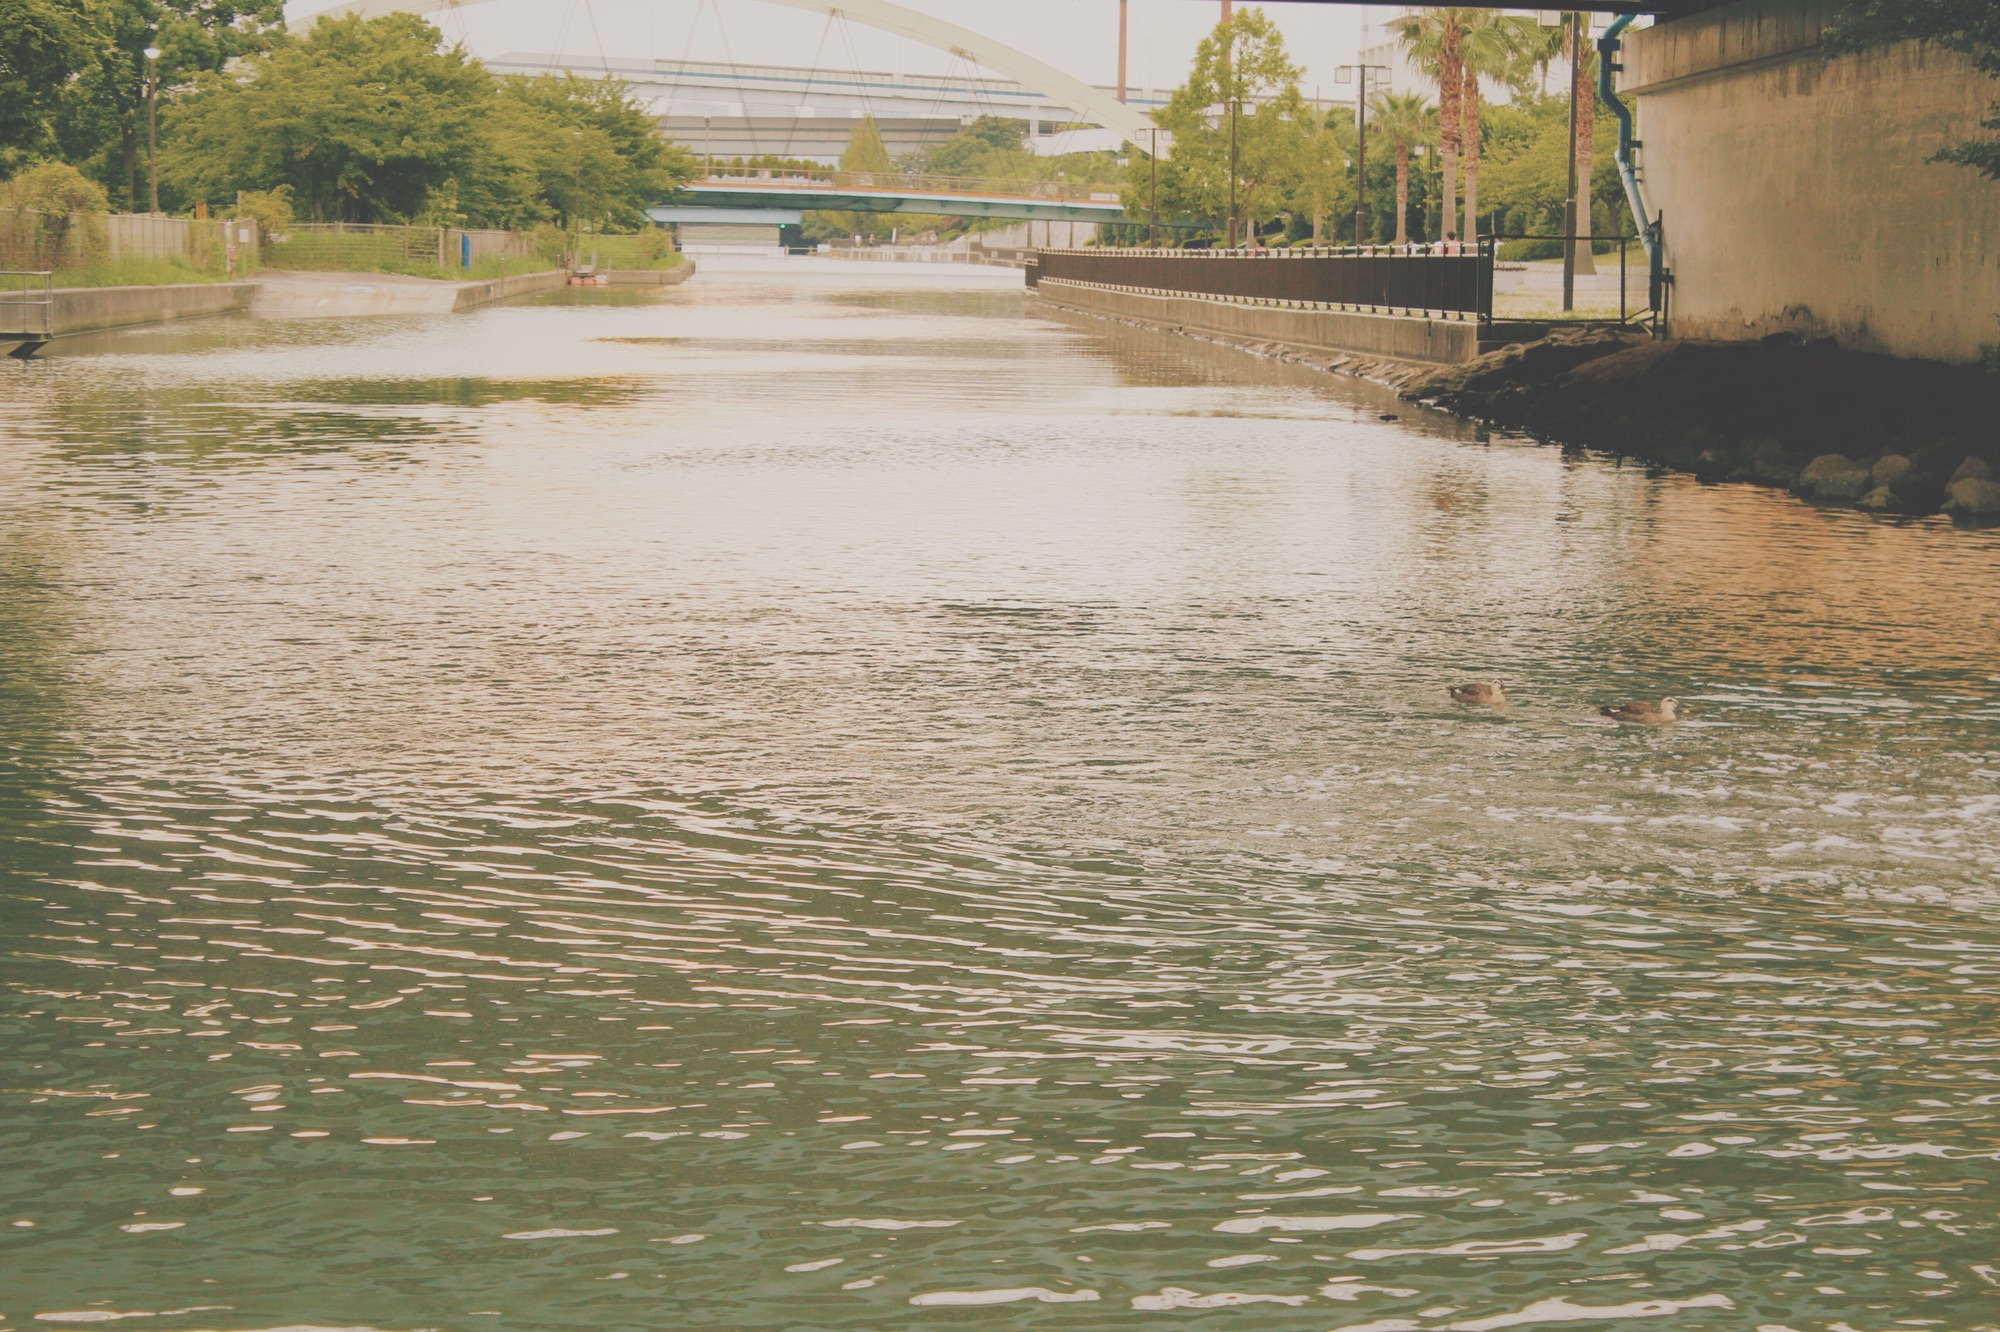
{"points": [[139, 273]]}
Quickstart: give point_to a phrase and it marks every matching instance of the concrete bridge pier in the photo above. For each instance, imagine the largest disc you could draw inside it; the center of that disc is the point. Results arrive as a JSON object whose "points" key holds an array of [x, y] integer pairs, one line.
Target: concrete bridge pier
{"points": [[1796, 187]]}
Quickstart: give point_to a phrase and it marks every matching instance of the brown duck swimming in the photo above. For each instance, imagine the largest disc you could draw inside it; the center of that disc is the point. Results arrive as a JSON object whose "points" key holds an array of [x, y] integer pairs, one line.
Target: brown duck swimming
{"points": [[1646, 714], [1482, 692]]}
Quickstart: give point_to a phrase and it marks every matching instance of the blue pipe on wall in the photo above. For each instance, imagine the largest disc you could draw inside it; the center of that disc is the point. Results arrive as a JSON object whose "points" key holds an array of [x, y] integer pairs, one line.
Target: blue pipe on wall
{"points": [[1658, 281], [1607, 50]]}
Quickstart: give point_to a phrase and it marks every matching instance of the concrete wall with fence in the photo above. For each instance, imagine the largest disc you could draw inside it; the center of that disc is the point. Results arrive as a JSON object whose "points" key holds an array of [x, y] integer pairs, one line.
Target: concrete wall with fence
{"points": [[1796, 186], [30, 239]]}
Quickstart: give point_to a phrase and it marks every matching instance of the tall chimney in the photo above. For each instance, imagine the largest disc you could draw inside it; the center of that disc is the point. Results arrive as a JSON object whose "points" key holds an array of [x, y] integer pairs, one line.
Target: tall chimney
{"points": [[1123, 7]]}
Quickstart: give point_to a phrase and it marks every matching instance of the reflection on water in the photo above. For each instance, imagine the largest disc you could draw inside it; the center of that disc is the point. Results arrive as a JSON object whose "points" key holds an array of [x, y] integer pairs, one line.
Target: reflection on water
{"points": [[823, 799]]}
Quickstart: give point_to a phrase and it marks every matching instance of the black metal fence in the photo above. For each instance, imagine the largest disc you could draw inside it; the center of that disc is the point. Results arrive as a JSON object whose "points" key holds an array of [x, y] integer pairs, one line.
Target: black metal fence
{"points": [[1506, 279], [1387, 279]]}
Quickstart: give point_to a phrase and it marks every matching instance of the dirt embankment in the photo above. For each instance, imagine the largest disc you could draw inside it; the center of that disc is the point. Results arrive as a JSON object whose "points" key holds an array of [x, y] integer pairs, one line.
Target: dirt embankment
{"points": [[1833, 426]]}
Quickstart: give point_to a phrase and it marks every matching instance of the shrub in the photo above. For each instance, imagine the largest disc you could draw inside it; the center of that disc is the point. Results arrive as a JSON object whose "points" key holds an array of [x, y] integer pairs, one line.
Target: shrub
{"points": [[54, 187], [271, 210], [1544, 247], [551, 242]]}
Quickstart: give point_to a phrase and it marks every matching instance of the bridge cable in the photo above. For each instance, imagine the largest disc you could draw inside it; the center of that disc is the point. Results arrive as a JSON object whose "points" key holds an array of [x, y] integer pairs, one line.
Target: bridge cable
{"points": [[854, 61], [456, 12], [562, 32], [675, 85], [812, 76], [729, 54], [603, 61]]}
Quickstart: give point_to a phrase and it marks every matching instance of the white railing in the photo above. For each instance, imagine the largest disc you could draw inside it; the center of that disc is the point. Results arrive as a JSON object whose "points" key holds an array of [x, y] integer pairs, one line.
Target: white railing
{"points": [[27, 305]]}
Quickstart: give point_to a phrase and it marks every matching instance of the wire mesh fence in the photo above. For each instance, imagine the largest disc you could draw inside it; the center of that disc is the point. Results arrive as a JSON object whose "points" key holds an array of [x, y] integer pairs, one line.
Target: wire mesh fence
{"points": [[1609, 284], [416, 251], [345, 246], [652, 248]]}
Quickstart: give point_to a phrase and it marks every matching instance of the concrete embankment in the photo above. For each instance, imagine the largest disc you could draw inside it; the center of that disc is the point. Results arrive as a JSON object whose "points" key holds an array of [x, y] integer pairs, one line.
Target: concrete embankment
{"points": [[1835, 427], [289, 295], [650, 277], [93, 309], [1312, 332], [472, 295]]}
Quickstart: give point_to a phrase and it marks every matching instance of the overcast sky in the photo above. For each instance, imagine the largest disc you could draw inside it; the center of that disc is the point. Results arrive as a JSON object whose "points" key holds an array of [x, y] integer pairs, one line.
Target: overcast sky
{"points": [[1078, 36]]}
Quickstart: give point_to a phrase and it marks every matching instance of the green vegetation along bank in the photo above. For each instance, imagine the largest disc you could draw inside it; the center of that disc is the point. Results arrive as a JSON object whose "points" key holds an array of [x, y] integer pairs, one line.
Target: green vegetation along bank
{"points": [[353, 120]]}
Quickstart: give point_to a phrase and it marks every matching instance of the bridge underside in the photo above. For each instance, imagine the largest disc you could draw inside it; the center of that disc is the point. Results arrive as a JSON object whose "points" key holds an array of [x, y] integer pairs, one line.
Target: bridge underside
{"points": [[709, 202]]}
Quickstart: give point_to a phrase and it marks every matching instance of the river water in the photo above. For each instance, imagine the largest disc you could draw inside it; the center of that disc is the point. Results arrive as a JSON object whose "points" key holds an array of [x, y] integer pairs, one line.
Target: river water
{"points": [[829, 798]]}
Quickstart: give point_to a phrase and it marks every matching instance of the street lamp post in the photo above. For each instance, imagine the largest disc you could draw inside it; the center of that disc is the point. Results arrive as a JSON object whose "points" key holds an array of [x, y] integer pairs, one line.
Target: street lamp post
{"points": [[1359, 75], [576, 205], [1153, 204], [1569, 200], [1216, 113], [152, 132]]}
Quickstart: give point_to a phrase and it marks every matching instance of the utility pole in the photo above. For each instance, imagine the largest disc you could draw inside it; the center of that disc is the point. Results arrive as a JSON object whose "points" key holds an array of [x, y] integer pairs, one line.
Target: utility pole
{"points": [[1153, 215], [1234, 107], [1124, 7], [152, 119], [1569, 201], [1358, 74]]}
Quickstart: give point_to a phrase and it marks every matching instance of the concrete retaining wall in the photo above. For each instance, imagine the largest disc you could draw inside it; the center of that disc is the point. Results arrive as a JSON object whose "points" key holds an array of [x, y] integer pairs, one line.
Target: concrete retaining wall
{"points": [[472, 295], [651, 277], [89, 309], [1388, 337], [1797, 189]]}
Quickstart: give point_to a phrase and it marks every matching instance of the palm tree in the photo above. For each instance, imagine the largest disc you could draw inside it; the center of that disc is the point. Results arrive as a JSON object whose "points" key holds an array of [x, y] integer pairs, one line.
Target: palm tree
{"points": [[1432, 37], [1495, 46], [1583, 88], [1408, 119], [1548, 46]]}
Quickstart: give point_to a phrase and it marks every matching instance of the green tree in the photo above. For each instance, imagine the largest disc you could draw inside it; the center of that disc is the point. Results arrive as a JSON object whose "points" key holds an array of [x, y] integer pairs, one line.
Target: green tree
{"points": [[865, 150], [1583, 88], [983, 149], [1492, 46], [362, 118], [1432, 37], [576, 150], [1527, 171], [1406, 120], [865, 153], [55, 188], [374, 120], [1323, 153], [100, 122], [1241, 64], [1968, 26], [43, 45], [43, 201]]}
